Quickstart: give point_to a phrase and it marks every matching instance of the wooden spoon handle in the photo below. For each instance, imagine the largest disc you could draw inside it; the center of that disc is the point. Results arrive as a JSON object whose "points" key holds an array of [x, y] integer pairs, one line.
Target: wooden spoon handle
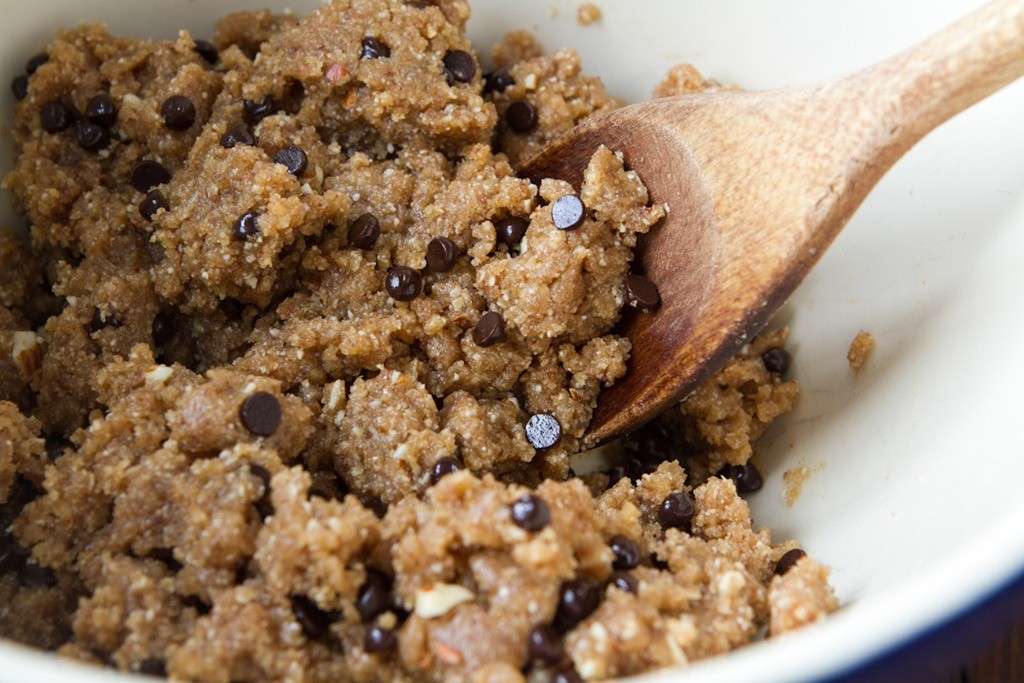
{"points": [[914, 92]]}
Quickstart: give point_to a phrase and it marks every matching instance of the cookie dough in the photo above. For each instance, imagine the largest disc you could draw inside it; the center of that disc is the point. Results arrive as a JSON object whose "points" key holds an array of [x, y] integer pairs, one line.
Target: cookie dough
{"points": [[293, 366]]}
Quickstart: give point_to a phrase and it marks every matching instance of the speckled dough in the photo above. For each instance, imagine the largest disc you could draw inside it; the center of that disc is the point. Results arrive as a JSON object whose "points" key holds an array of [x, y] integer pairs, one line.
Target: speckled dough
{"points": [[234, 450]]}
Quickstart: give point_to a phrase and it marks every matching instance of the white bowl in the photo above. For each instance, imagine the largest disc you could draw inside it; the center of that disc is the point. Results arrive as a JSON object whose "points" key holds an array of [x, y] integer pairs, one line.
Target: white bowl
{"points": [[915, 499]]}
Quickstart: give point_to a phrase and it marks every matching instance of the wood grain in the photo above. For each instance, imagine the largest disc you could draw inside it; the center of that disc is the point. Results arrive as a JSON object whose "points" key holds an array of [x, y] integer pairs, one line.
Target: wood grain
{"points": [[759, 185], [1002, 663]]}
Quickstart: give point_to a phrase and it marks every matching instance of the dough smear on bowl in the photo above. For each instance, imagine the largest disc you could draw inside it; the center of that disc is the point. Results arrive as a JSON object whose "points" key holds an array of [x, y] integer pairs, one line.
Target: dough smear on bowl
{"points": [[293, 365]]}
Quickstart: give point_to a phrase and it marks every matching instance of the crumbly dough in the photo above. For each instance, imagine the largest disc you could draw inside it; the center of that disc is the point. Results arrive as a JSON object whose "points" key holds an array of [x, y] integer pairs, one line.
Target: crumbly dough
{"points": [[257, 421], [588, 14], [861, 348]]}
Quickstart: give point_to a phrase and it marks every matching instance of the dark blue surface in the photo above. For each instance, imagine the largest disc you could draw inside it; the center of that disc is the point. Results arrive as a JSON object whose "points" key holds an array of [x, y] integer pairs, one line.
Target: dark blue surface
{"points": [[934, 655]]}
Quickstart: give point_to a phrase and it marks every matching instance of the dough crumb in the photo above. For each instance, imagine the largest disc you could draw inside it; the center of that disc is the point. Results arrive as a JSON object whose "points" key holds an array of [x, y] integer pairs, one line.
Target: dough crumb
{"points": [[794, 481], [861, 348], [588, 14]]}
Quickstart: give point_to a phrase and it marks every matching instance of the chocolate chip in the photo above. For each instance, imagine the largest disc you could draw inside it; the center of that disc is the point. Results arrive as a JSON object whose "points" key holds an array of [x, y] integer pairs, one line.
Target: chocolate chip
{"points": [[776, 361], [543, 431], [521, 117], [151, 666], [498, 81], [314, 621], [255, 111], [441, 255], [676, 511], [263, 506], [163, 328], [510, 230], [91, 137], [746, 477], [374, 596], [148, 174], [208, 51], [261, 413], [292, 158], [459, 66], [566, 675], [443, 468], [641, 293], [237, 135], [373, 49], [403, 283], [625, 582], [151, 204], [364, 231], [55, 117], [489, 330], [656, 442], [545, 645], [19, 86], [179, 112], [33, 64], [577, 601], [101, 110], [247, 226], [789, 560], [531, 513], [32, 575], [379, 639], [568, 212], [625, 552]]}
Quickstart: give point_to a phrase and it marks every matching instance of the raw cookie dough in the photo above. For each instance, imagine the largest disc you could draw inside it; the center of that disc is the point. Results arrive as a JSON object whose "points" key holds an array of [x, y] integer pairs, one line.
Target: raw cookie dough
{"points": [[292, 366]]}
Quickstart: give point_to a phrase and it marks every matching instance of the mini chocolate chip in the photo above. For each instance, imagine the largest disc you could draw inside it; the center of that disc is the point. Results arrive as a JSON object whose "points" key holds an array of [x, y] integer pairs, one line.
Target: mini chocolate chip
{"points": [[374, 596], [237, 135], [521, 117], [261, 413], [545, 645], [642, 293], [255, 111], [147, 174], [247, 226], [676, 511], [19, 86], [32, 575], [789, 560], [625, 551], [314, 621], [373, 48], [566, 675], [746, 477], [441, 255], [567, 212], [577, 601], [55, 117], [101, 110], [151, 666], [543, 431], [498, 81], [35, 62], [625, 582], [403, 283], [510, 230], [179, 112], [379, 639], [292, 158], [489, 330], [459, 66], [263, 506], [91, 137], [151, 204], [208, 51], [443, 468], [364, 231], [776, 361], [163, 328], [531, 513]]}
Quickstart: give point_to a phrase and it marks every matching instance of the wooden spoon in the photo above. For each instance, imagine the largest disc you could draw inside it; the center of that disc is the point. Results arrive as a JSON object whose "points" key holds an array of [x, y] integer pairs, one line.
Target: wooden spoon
{"points": [[759, 184]]}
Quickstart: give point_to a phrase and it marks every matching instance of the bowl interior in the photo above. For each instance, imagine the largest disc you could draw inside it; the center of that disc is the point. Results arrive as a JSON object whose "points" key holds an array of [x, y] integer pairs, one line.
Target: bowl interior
{"points": [[913, 495]]}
